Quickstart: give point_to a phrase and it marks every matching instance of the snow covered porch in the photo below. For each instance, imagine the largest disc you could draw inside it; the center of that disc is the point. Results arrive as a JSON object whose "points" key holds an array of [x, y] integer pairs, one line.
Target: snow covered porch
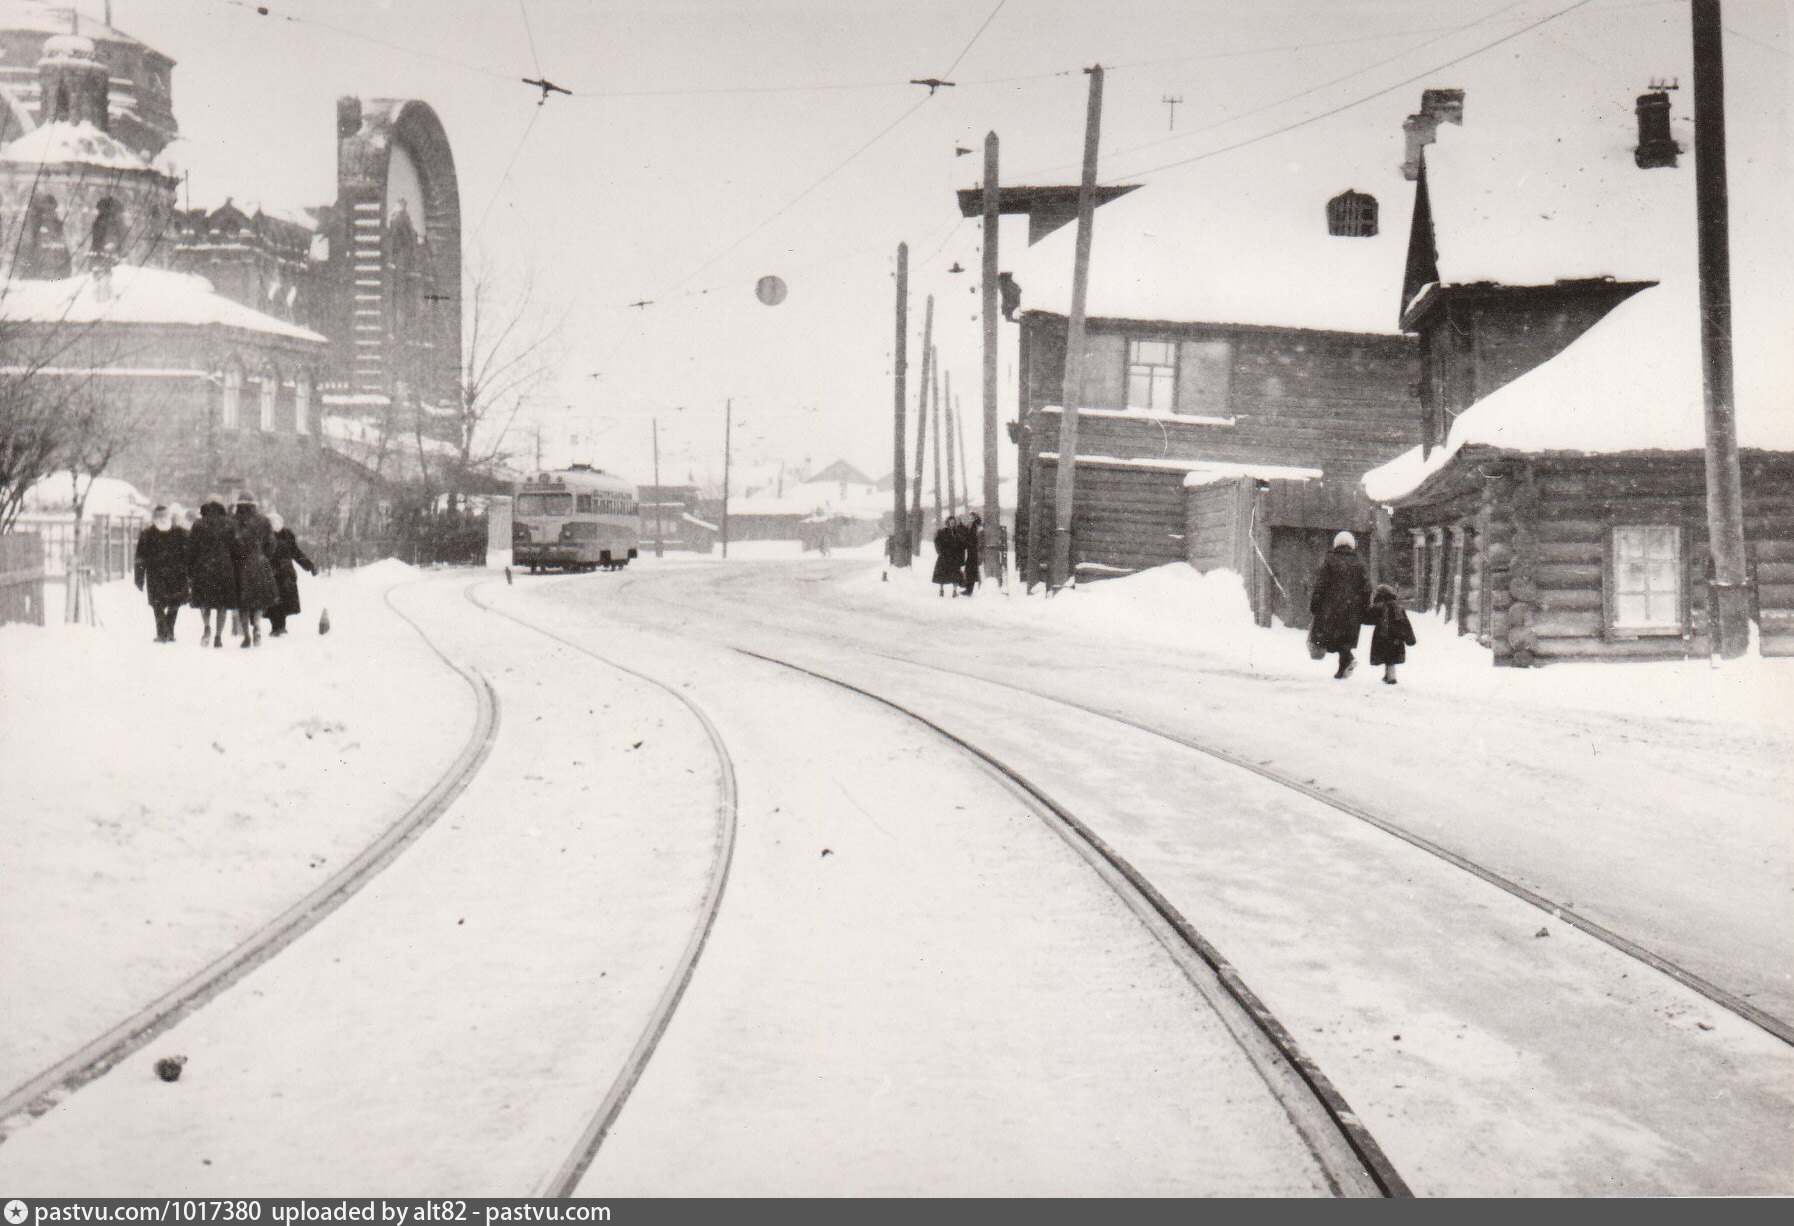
{"points": [[1555, 556]]}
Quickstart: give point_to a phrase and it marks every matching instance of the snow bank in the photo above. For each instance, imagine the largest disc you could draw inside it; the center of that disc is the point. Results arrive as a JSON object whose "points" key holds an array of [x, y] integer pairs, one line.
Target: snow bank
{"points": [[160, 801]]}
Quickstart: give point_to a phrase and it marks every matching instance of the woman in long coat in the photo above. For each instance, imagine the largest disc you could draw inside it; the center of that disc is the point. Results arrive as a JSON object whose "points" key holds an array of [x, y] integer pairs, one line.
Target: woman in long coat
{"points": [[971, 535], [286, 578], [210, 568], [254, 555], [949, 555], [1339, 602], [161, 570]]}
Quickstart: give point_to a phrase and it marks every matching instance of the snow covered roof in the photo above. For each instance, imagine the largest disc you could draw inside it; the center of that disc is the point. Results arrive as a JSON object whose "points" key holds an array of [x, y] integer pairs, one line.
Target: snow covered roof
{"points": [[1245, 243], [138, 296], [107, 496], [76, 144], [1529, 210]]}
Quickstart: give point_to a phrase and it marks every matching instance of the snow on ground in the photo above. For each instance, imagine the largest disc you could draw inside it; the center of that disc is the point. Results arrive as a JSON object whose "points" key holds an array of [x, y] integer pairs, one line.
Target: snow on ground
{"points": [[1207, 615], [161, 801]]}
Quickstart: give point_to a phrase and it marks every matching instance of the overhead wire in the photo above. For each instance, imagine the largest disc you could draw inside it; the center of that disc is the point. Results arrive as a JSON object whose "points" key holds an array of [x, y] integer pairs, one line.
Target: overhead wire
{"points": [[534, 114], [1357, 102]]}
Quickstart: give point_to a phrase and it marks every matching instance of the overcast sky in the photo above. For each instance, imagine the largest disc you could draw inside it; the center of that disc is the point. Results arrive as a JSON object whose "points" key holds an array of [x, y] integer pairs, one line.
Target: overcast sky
{"points": [[690, 159]]}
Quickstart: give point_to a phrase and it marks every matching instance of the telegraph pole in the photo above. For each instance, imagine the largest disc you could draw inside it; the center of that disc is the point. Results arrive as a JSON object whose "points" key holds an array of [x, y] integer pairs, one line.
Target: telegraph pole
{"points": [[940, 431], [928, 358], [1065, 477], [992, 514], [900, 551], [1728, 593], [952, 474], [728, 427], [659, 496]]}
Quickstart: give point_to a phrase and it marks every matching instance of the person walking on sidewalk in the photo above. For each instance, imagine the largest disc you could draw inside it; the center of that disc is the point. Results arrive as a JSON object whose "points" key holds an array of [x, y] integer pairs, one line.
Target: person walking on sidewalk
{"points": [[949, 556], [1391, 635], [286, 578], [1339, 603], [972, 534], [210, 570], [161, 570], [253, 554]]}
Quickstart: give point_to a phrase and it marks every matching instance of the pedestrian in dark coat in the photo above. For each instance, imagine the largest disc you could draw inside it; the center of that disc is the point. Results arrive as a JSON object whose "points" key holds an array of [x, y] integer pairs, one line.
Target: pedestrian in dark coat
{"points": [[210, 570], [949, 555], [973, 535], [1390, 635], [286, 579], [1340, 600], [253, 554], [161, 570]]}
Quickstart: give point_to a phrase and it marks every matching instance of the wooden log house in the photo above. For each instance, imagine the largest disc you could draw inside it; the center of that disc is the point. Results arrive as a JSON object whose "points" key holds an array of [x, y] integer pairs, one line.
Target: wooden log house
{"points": [[1556, 508]]}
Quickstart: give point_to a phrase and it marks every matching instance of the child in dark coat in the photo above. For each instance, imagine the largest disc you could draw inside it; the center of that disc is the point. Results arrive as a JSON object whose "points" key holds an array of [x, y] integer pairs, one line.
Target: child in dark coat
{"points": [[1392, 635]]}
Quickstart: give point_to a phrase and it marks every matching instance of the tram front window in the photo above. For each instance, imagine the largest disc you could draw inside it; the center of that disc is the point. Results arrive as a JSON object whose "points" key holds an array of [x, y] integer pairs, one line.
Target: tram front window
{"points": [[545, 504]]}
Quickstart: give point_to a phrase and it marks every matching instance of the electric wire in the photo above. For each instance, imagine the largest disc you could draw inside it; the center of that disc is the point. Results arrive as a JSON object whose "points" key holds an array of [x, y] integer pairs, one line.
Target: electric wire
{"points": [[499, 187], [530, 34], [1356, 102]]}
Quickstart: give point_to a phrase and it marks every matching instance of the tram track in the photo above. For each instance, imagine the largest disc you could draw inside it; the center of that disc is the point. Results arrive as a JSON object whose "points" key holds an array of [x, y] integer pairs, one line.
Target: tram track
{"points": [[41, 1092], [1724, 998], [565, 1178], [1349, 1156], [1351, 1160]]}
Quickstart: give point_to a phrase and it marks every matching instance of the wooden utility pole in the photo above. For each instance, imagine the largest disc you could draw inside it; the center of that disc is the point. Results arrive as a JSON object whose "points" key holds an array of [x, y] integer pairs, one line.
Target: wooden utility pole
{"points": [[965, 470], [952, 472], [1728, 593], [659, 497], [940, 431], [915, 515], [991, 306], [728, 428], [900, 550], [1065, 478]]}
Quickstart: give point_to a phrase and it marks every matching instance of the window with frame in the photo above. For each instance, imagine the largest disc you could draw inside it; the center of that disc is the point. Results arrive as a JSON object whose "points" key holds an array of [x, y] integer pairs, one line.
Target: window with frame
{"points": [[1152, 376], [1352, 214], [302, 405], [585, 504], [1645, 579], [270, 386], [231, 404]]}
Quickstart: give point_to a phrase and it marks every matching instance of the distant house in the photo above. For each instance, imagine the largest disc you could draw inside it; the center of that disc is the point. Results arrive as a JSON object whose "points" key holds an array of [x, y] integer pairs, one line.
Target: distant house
{"points": [[836, 506], [1241, 333], [1555, 507]]}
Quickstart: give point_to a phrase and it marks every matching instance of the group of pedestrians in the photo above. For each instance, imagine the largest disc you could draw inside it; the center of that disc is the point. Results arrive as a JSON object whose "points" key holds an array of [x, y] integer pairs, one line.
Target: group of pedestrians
{"points": [[1343, 602], [958, 553], [242, 564]]}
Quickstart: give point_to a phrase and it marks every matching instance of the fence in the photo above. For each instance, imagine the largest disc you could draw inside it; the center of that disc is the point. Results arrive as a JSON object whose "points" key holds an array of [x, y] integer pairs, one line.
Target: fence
{"points": [[21, 578], [108, 543]]}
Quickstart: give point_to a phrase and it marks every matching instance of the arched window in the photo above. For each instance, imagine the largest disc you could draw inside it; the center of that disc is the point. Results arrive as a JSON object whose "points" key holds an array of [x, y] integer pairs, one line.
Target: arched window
{"points": [[231, 404], [302, 404], [108, 228], [1352, 214], [270, 388], [46, 254]]}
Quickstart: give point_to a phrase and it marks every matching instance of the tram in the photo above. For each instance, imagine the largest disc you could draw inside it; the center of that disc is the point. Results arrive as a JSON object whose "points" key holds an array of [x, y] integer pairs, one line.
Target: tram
{"points": [[577, 518]]}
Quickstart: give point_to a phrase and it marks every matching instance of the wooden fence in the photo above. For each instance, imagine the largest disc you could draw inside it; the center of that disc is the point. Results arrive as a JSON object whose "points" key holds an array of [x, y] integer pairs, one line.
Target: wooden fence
{"points": [[21, 578]]}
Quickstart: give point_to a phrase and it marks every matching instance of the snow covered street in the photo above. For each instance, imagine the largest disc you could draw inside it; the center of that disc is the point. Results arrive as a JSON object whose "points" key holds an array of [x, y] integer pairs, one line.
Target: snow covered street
{"points": [[912, 983]]}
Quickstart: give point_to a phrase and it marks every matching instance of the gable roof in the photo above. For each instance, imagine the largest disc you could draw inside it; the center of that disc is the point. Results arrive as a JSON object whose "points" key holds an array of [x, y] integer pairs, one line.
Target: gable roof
{"points": [[1535, 188]]}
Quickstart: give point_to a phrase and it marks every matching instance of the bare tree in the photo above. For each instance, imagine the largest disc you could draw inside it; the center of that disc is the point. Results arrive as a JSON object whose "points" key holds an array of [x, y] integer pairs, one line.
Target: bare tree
{"points": [[511, 346]]}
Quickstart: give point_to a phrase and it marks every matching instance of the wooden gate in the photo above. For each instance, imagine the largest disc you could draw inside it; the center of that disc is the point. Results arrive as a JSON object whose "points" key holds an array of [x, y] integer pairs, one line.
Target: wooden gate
{"points": [[21, 578]]}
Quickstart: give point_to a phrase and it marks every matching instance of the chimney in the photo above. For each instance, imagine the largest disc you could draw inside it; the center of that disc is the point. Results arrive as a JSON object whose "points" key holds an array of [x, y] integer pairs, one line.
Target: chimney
{"points": [[348, 116], [1656, 147], [1437, 106]]}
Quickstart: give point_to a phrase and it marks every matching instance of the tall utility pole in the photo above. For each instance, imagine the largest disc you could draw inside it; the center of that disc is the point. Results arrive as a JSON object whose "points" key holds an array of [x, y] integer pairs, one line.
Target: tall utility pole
{"points": [[728, 428], [965, 471], [900, 551], [1065, 478], [940, 430], [659, 496], [1728, 595], [952, 473], [992, 514], [928, 358]]}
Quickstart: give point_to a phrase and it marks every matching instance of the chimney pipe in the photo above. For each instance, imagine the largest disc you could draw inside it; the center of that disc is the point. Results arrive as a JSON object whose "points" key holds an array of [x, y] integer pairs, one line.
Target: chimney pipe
{"points": [[1437, 106], [1656, 147]]}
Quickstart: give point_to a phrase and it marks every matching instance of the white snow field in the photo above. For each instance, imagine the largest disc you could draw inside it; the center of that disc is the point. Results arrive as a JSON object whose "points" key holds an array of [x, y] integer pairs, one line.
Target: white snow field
{"points": [[913, 986]]}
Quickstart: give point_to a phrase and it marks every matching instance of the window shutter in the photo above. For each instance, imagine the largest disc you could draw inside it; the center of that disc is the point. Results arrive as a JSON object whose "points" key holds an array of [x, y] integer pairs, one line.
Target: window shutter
{"points": [[1105, 371], [1204, 378]]}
